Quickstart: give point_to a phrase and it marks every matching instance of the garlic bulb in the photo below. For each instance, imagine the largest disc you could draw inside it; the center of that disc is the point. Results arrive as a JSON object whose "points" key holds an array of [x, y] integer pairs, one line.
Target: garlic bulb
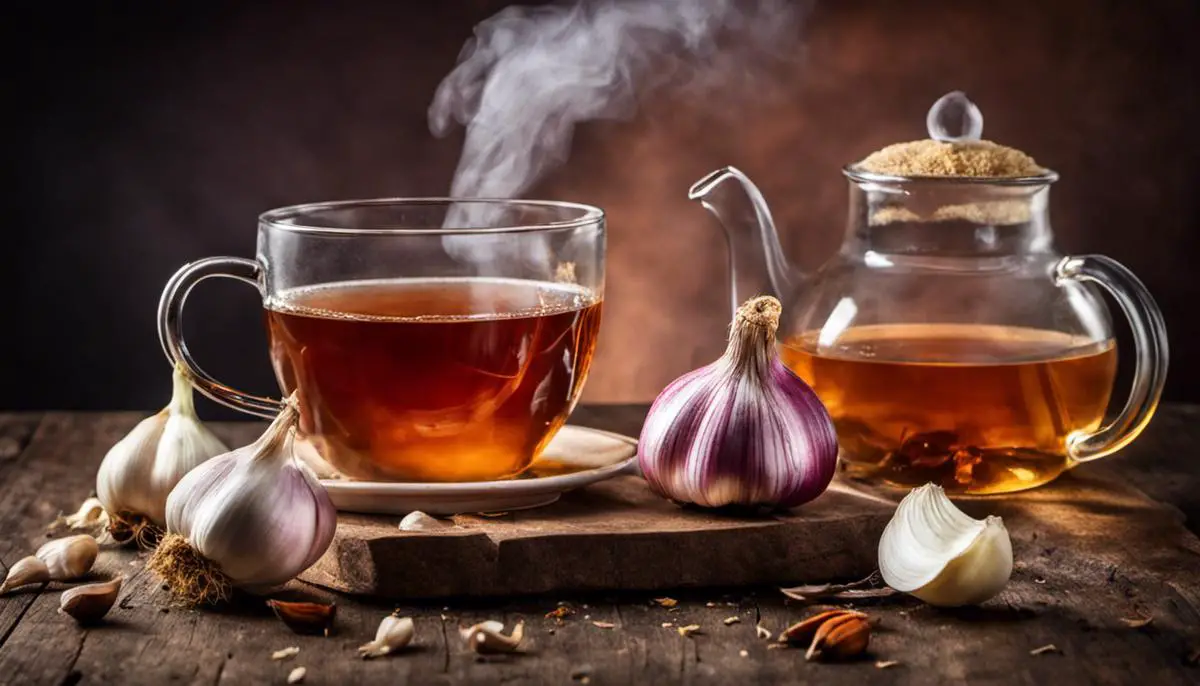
{"points": [[252, 518], [743, 430], [934, 551], [142, 468], [62, 559]]}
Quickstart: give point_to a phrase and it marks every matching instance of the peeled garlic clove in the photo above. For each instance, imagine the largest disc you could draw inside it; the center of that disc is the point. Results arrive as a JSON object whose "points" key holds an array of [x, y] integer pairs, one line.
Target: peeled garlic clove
{"points": [[253, 518], [487, 638], [139, 471], [743, 430], [393, 634], [28, 570], [90, 602], [934, 551], [419, 521]]}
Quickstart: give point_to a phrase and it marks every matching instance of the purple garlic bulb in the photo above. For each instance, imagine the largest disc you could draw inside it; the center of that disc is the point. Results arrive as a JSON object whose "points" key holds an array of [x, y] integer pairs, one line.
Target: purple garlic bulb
{"points": [[744, 430]]}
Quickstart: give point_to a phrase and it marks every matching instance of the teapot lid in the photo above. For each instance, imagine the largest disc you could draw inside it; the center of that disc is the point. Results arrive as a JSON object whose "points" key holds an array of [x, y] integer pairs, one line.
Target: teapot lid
{"points": [[954, 148]]}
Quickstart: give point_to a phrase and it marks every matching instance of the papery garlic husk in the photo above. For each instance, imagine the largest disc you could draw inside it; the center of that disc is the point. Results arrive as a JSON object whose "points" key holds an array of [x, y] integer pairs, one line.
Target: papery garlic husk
{"points": [[253, 518], [90, 602], [934, 551], [743, 430], [139, 471], [393, 634], [62, 559]]}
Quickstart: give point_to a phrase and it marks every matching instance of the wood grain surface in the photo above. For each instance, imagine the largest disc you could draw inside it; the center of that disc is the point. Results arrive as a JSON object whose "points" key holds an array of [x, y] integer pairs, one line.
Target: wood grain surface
{"points": [[1092, 551]]}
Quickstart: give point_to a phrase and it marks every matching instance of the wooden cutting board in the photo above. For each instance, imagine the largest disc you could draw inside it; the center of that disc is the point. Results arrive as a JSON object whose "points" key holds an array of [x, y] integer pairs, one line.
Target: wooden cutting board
{"points": [[611, 535]]}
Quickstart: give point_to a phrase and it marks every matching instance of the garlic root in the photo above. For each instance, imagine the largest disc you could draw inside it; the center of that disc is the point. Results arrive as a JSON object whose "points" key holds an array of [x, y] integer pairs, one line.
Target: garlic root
{"points": [[191, 578]]}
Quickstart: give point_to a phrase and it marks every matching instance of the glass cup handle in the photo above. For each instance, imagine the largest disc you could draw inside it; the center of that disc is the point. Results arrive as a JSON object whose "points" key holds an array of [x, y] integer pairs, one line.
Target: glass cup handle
{"points": [[1150, 353], [170, 329]]}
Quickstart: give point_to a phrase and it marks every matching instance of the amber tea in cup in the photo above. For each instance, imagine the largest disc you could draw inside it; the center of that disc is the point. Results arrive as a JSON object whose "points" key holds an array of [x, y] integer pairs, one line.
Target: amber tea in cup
{"points": [[448, 380], [425, 339]]}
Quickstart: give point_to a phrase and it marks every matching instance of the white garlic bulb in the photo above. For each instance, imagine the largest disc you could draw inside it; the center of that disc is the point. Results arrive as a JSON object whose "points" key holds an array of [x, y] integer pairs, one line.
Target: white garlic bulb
{"points": [[252, 518], [59, 560], [142, 468], [934, 551]]}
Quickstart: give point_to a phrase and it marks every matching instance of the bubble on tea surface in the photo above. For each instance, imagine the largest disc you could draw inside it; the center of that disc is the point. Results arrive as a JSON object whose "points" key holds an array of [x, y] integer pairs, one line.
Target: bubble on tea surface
{"points": [[954, 118]]}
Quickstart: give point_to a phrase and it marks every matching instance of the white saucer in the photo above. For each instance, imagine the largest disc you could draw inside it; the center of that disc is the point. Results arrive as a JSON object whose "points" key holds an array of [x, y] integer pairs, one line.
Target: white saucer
{"points": [[588, 455]]}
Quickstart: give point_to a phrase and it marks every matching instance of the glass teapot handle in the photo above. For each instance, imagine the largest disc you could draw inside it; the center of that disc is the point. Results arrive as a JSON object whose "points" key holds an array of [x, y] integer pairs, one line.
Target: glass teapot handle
{"points": [[1150, 352]]}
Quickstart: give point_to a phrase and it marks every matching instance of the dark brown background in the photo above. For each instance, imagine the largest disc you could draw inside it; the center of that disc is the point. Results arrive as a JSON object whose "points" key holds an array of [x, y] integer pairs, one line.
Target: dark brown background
{"points": [[145, 138]]}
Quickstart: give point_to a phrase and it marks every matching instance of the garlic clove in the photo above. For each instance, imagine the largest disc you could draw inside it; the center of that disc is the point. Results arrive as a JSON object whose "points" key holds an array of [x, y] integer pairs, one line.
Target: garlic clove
{"points": [[936, 552], [487, 638], [419, 521], [89, 603], [27, 570], [70, 557], [305, 618], [393, 634]]}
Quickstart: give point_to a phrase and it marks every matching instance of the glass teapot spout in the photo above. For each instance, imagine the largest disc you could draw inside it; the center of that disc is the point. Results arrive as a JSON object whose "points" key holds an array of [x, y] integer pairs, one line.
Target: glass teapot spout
{"points": [[757, 265]]}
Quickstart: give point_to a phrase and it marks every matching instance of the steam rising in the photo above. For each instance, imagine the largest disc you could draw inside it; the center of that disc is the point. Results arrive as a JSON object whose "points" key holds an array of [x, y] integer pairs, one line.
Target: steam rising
{"points": [[530, 74]]}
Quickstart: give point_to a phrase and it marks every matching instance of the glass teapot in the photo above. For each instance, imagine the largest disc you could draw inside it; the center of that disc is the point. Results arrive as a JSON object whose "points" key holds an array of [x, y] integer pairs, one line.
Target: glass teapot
{"points": [[948, 338]]}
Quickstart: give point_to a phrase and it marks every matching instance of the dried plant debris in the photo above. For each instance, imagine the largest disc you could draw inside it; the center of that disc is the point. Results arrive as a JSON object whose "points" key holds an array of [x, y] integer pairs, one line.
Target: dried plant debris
{"points": [[305, 618], [732, 620], [870, 587], [762, 632], [1048, 648], [666, 602], [667, 625], [285, 653], [560, 613], [832, 635], [297, 675], [886, 664], [488, 638], [689, 630], [1137, 622], [604, 625]]}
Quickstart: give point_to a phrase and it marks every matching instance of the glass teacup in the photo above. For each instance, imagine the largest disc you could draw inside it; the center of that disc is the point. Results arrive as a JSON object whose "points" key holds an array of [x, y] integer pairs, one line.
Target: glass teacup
{"points": [[426, 339]]}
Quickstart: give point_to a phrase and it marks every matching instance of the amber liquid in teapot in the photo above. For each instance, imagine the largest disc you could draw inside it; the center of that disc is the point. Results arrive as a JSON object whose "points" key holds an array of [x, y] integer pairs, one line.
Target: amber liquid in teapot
{"points": [[994, 420]]}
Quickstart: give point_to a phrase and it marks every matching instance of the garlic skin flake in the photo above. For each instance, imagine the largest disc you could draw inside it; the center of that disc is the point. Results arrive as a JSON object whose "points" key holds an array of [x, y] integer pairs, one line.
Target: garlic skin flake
{"points": [[139, 471], [252, 518], [934, 551], [744, 430]]}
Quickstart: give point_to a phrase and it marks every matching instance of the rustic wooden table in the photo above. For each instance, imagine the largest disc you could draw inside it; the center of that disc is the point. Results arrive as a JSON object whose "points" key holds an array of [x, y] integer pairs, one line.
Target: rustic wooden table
{"points": [[1118, 556]]}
